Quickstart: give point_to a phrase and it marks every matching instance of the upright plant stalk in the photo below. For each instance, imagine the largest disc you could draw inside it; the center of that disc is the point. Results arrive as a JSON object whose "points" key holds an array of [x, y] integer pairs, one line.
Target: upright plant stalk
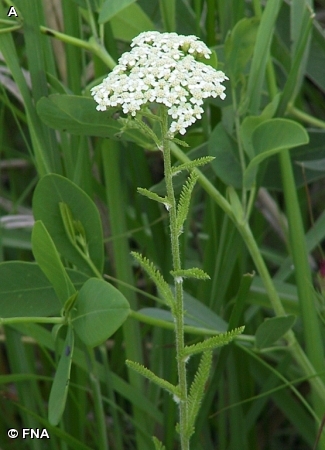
{"points": [[178, 307], [162, 68]]}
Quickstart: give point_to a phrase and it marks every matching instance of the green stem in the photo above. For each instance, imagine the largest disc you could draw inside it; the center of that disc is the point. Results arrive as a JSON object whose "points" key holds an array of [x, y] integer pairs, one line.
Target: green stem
{"points": [[10, 29], [240, 146], [7, 22], [92, 21], [271, 79], [178, 309], [301, 115], [13, 320], [92, 45], [210, 23]]}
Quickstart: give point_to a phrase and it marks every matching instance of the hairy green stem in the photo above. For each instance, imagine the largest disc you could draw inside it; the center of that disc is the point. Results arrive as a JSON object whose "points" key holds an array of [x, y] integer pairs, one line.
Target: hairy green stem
{"points": [[178, 309]]}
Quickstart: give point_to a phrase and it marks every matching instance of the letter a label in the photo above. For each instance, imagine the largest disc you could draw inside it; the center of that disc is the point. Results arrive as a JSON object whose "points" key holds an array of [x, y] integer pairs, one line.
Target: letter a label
{"points": [[12, 12]]}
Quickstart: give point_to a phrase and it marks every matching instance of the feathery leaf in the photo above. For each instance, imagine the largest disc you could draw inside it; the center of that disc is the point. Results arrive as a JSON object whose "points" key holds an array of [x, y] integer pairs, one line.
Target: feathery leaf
{"points": [[213, 342], [154, 196], [180, 142], [154, 273], [174, 390], [194, 272], [184, 201], [192, 164], [197, 390], [158, 444]]}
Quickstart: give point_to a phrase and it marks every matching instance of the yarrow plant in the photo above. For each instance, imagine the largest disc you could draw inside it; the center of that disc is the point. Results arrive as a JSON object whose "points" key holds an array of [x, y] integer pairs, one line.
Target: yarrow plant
{"points": [[162, 68], [165, 69]]}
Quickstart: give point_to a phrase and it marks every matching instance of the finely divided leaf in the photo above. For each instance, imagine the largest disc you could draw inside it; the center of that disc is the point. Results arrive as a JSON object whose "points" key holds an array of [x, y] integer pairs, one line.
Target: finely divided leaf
{"points": [[184, 201], [154, 273], [174, 390], [195, 272], [211, 343], [197, 390], [158, 444], [154, 196], [192, 164]]}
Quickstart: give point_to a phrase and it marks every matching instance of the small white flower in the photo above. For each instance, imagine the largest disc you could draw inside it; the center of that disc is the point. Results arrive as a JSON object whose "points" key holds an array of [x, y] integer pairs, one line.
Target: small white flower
{"points": [[162, 68]]}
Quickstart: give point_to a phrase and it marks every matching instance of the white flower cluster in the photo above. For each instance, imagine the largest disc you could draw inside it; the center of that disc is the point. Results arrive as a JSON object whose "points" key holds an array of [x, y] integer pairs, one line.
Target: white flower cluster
{"points": [[162, 68]]}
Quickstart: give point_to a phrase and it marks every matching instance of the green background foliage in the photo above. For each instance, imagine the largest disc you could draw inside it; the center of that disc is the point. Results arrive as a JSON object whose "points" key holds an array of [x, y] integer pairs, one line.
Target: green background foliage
{"points": [[74, 304]]}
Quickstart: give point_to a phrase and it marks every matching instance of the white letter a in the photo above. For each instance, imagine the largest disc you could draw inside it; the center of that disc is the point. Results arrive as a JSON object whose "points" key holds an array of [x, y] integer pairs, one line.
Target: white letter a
{"points": [[12, 12]]}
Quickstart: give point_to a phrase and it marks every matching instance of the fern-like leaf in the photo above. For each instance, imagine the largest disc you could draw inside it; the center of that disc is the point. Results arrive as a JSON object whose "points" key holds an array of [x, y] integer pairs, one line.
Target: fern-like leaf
{"points": [[146, 130], [192, 164], [197, 390], [179, 142], [155, 197], [209, 344], [139, 368], [158, 444], [194, 272], [158, 279], [184, 201]]}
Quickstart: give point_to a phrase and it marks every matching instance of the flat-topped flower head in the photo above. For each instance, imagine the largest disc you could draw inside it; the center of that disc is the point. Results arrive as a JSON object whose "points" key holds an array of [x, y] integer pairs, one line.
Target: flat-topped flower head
{"points": [[162, 68]]}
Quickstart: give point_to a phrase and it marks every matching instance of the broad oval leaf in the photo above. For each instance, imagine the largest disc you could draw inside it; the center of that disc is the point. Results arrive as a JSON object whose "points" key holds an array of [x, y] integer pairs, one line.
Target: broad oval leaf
{"points": [[78, 115], [269, 138], [112, 7], [250, 123], [273, 329], [239, 47], [26, 292], [54, 189], [130, 22], [226, 164], [277, 134], [197, 315], [100, 310], [310, 152], [48, 259]]}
